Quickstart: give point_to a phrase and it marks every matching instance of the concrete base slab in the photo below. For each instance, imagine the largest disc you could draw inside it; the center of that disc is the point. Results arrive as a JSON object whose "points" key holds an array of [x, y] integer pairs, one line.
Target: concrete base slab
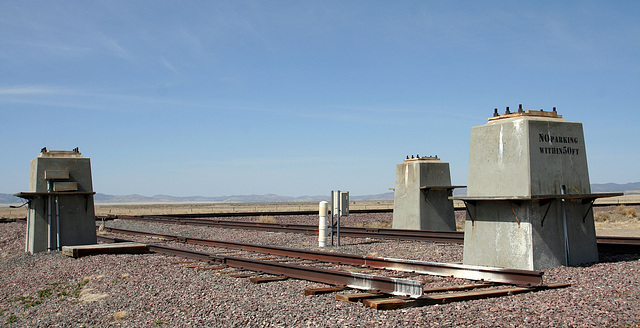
{"points": [[528, 235], [95, 249]]}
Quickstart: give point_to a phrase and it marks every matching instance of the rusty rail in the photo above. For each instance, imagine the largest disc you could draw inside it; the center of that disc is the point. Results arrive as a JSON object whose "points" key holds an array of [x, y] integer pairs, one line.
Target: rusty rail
{"points": [[388, 285], [388, 209], [384, 233], [609, 244], [618, 244], [490, 274]]}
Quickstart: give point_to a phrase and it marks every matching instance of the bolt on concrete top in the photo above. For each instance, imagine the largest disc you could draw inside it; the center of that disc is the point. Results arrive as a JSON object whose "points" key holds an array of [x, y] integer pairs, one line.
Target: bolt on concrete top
{"points": [[75, 153]]}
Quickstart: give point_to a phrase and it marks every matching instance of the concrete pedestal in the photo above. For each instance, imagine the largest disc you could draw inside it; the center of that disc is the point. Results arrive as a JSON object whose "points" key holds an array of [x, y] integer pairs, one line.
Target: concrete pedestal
{"points": [[421, 201], [61, 209], [516, 234], [528, 197]]}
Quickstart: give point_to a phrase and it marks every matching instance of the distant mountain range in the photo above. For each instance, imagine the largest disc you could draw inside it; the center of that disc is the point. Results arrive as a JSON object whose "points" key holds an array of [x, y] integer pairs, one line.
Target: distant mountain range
{"points": [[628, 188], [267, 198]]}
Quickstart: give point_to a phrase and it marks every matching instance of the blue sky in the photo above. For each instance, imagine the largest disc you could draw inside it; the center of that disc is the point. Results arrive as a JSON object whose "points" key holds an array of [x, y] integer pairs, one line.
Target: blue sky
{"points": [[298, 98]]}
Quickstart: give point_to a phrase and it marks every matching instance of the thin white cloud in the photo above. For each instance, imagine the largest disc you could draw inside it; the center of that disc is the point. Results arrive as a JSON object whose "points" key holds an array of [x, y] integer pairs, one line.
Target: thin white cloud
{"points": [[269, 161], [249, 27], [33, 90], [52, 48], [168, 65], [438, 110], [117, 50], [377, 110], [92, 99], [193, 44]]}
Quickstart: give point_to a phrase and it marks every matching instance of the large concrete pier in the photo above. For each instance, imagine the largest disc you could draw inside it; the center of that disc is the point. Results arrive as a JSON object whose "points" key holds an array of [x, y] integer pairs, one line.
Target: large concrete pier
{"points": [[529, 199], [421, 198], [61, 210]]}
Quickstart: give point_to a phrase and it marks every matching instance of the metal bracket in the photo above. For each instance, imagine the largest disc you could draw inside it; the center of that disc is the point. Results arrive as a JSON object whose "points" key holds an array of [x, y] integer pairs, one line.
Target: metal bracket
{"points": [[28, 202], [449, 190], [584, 201], [542, 202], [514, 213], [426, 193], [466, 206]]}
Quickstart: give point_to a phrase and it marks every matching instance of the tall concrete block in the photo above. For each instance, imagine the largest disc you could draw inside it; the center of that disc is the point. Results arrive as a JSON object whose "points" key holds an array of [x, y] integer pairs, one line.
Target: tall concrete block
{"points": [[421, 201], [526, 156], [61, 208], [529, 199]]}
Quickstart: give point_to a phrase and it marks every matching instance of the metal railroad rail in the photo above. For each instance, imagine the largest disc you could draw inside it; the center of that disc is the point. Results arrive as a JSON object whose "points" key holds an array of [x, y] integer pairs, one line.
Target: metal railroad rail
{"points": [[306, 212], [382, 293], [489, 274], [609, 244], [618, 244], [388, 285], [383, 233], [314, 211]]}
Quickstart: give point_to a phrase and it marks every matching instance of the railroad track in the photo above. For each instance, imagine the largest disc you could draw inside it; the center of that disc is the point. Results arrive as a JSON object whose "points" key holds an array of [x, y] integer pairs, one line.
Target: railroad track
{"points": [[608, 244], [383, 279], [314, 211], [7, 220]]}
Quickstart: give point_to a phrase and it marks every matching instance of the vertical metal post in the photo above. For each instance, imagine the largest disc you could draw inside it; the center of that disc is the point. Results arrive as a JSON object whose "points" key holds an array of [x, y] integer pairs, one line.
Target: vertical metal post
{"points": [[339, 201], [332, 214], [26, 247], [49, 241], [57, 222], [563, 190]]}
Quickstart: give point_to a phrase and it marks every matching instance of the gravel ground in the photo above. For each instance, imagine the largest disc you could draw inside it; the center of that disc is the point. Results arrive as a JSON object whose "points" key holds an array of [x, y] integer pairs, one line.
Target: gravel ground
{"points": [[49, 289]]}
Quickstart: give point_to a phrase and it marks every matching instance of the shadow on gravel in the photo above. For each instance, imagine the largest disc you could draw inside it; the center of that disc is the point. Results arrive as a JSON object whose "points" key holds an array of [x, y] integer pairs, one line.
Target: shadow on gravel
{"points": [[367, 242], [612, 258]]}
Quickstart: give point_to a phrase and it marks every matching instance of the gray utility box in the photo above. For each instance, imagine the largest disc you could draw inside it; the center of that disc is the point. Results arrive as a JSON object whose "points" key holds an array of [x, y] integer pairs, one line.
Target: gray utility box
{"points": [[60, 196], [421, 199], [529, 201]]}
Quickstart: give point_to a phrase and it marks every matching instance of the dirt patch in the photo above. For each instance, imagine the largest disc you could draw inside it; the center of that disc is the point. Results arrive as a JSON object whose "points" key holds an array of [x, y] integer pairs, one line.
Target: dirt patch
{"points": [[618, 221]]}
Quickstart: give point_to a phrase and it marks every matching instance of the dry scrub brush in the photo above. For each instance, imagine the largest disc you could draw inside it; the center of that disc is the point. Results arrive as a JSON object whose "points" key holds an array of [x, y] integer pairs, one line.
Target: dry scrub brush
{"points": [[621, 213]]}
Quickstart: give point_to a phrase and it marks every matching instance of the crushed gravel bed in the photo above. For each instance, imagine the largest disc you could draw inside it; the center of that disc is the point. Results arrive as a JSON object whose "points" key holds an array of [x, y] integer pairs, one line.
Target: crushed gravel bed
{"points": [[362, 246], [49, 290]]}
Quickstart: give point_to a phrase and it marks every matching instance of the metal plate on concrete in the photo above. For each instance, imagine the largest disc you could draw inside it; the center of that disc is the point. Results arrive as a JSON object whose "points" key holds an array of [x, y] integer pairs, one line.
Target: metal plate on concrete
{"points": [[56, 174], [65, 186]]}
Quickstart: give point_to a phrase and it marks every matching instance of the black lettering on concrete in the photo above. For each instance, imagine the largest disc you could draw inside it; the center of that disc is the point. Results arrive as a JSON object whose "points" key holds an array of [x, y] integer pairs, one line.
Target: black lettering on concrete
{"points": [[545, 137], [553, 139], [559, 150]]}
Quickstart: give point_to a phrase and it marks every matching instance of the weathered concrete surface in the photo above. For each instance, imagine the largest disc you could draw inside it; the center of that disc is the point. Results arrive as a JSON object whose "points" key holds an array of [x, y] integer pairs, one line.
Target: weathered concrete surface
{"points": [[517, 157], [75, 207], [428, 208], [497, 237], [526, 157]]}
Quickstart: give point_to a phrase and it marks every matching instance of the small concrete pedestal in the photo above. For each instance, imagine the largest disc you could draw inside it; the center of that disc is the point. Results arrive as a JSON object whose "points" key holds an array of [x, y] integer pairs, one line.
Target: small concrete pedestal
{"points": [[60, 210], [529, 199], [421, 200]]}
